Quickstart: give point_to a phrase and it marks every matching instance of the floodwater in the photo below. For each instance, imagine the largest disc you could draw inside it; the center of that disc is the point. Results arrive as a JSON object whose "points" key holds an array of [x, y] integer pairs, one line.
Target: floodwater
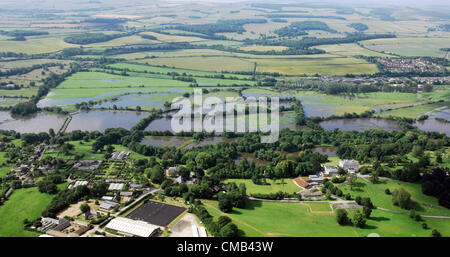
{"points": [[179, 141], [211, 141], [360, 124], [433, 125], [252, 158], [35, 123], [325, 150], [47, 102], [101, 120], [160, 141]]}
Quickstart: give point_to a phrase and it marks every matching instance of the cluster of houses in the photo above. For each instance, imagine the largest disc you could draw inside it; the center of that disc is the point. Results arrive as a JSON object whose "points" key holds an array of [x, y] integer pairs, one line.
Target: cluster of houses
{"points": [[62, 227], [405, 65], [313, 181]]}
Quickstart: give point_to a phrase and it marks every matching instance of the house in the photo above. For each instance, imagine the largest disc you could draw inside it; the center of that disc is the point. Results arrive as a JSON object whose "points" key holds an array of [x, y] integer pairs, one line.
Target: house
{"points": [[78, 183], [116, 186], [119, 156], [315, 180], [107, 198], [108, 205], [135, 186], [92, 214], [303, 182], [126, 194], [172, 171], [351, 166], [62, 224], [329, 171]]}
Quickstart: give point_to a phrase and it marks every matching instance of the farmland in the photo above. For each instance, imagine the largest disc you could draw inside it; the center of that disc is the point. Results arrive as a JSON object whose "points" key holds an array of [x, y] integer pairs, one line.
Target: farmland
{"points": [[87, 93]]}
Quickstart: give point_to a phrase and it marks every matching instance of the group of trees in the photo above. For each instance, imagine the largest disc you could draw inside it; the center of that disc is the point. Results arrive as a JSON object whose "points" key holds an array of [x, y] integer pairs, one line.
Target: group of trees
{"points": [[90, 38], [437, 183], [221, 26], [299, 28], [235, 196], [223, 227]]}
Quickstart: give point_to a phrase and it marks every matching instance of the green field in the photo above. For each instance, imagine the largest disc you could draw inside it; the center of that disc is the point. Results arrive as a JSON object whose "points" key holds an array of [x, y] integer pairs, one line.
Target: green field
{"points": [[409, 46], [415, 111], [288, 186], [377, 194], [35, 46], [261, 219], [311, 66], [349, 50], [26, 203]]}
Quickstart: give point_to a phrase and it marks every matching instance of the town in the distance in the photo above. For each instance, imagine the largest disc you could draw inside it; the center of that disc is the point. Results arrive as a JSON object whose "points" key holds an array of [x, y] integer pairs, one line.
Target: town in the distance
{"points": [[89, 92]]}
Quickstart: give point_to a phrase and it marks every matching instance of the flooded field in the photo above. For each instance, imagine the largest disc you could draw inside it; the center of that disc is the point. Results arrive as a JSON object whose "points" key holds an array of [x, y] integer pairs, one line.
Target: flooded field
{"points": [[325, 150], [36, 123], [360, 124], [252, 158], [179, 141], [101, 120], [161, 141], [433, 125]]}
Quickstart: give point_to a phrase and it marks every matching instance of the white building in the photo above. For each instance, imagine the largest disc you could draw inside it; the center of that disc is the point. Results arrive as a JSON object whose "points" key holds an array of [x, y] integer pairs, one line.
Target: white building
{"points": [[351, 166], [329, 171], [129, 227]]}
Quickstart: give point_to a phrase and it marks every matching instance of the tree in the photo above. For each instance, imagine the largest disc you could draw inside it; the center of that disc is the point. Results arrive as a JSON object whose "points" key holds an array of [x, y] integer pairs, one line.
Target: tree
{"points": [[359, 220], [351, 180], [157, 174], [84, 208], [341, 217], [229, 230], [223, 221], [402, 198], [435, 233], [225, 203], [367, 211]]}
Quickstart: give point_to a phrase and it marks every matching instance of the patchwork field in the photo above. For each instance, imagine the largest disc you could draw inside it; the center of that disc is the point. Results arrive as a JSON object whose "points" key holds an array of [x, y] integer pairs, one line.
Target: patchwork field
{"points": [[311, 66], [409, 46]]}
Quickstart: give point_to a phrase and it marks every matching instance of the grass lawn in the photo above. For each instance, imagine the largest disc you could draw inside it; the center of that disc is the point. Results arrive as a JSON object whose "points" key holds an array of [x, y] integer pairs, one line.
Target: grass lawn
{"points": [[296, 219], [25, 203], [377, 194], [409, 46], [252, 188]]}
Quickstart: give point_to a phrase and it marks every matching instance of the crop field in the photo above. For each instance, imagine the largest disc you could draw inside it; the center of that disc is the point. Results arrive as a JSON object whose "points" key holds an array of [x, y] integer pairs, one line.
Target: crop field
{"points": [[173, 38], [216, 64], [130, 40], [287, 186], [349, 50], [35, 45], [263, 48], [96, 83], [25, 203], [165, 70], [415, 111], [145, 56], [409, 46], [311, 66], [299, 221]]}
